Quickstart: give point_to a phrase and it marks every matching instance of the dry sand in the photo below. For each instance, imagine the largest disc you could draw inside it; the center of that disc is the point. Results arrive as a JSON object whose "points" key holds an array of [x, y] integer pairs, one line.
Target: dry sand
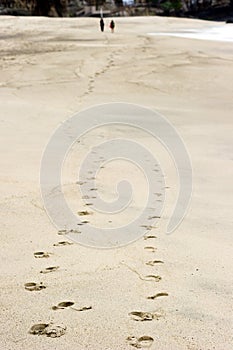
{"points": [[51, 68]]}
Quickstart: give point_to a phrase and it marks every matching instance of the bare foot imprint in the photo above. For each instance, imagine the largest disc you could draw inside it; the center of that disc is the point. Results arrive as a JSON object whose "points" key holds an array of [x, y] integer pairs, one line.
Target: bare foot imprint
{"points": [[158, 295], [69, 304], [153, 262], [83, 223], [63, 305], [41, 255], [149, 237], [154, 217], [81, 182], [151, 249], [155, 278], [85, 197], [148, 227], [61, 243], [32, 286], [66, 232], [143, 342], [146, 316], [84, 212], [50, 269], [48, 329]]}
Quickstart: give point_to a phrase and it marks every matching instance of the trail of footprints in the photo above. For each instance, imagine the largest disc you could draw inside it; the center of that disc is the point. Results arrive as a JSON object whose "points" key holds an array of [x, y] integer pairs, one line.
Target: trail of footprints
{"points": [[91, 84], [54, 330], [146, 341], [49, 329]]}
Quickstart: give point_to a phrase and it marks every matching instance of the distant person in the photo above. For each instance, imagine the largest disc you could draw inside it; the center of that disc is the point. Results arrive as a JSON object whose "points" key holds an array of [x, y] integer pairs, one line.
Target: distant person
{"points": [[112, 25], [101, 24]]}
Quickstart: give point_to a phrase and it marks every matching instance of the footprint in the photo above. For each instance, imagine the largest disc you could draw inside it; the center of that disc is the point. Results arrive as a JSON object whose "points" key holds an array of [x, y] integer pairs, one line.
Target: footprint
{"points": [[62, 243], [48, 329], [55, 331], [49, 269], [85, 308], [158, 295], [84, 212], [146, 316], [81, 182], [85, 197], [151, 249], [63, 305], [152, 278], [153, 262], [38, 328], [149, 237], [32, 286], [83, 222], [141, 316], [41, 255], [143, 342], [65, 232], [69, 304], [133, 341], [62, 232], [154, 217], [148, 227]]}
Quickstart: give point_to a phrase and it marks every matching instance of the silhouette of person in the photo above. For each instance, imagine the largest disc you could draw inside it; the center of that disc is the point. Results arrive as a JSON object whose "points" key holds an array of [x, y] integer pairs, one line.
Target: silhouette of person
{"points": [[112, 25], [102, 24]]}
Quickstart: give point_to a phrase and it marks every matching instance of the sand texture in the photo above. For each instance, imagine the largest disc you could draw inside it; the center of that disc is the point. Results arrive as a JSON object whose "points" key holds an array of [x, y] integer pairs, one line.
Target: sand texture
{"points": [[101, 299]]}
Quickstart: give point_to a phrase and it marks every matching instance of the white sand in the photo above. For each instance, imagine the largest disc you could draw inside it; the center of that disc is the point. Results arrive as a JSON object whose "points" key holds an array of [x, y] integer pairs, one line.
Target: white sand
{"points": [[51, 68], [219, 33]]}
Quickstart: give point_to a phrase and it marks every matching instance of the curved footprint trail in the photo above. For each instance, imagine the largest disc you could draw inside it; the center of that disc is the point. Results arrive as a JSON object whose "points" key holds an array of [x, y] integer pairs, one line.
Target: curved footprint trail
{"points": [[145, 316]]}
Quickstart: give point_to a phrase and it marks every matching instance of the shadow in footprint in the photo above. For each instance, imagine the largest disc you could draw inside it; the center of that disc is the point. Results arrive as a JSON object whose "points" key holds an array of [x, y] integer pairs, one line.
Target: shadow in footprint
{"points": [[149, 237], [62, 243], [150, 249], [154, 278], [66, 232], [41, 255], [158, 295], [63, 305], [38, 328], [50, 269], [84, 212], [154, 217], [32, 286], [154, 262], [83, 223]]}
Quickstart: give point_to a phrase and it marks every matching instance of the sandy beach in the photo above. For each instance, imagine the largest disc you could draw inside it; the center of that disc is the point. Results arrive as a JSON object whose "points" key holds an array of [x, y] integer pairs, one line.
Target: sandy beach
{"points": [[52, 68]]}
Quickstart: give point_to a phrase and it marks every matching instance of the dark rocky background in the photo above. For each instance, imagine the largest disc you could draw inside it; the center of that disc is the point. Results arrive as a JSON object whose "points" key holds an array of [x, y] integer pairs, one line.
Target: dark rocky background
{"points": [[220, 10]]}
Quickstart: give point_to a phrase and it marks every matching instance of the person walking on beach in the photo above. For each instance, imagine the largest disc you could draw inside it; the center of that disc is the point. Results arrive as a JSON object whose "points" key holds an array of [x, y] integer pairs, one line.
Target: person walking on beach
{"points": [[112, 25], [102, 24]]}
